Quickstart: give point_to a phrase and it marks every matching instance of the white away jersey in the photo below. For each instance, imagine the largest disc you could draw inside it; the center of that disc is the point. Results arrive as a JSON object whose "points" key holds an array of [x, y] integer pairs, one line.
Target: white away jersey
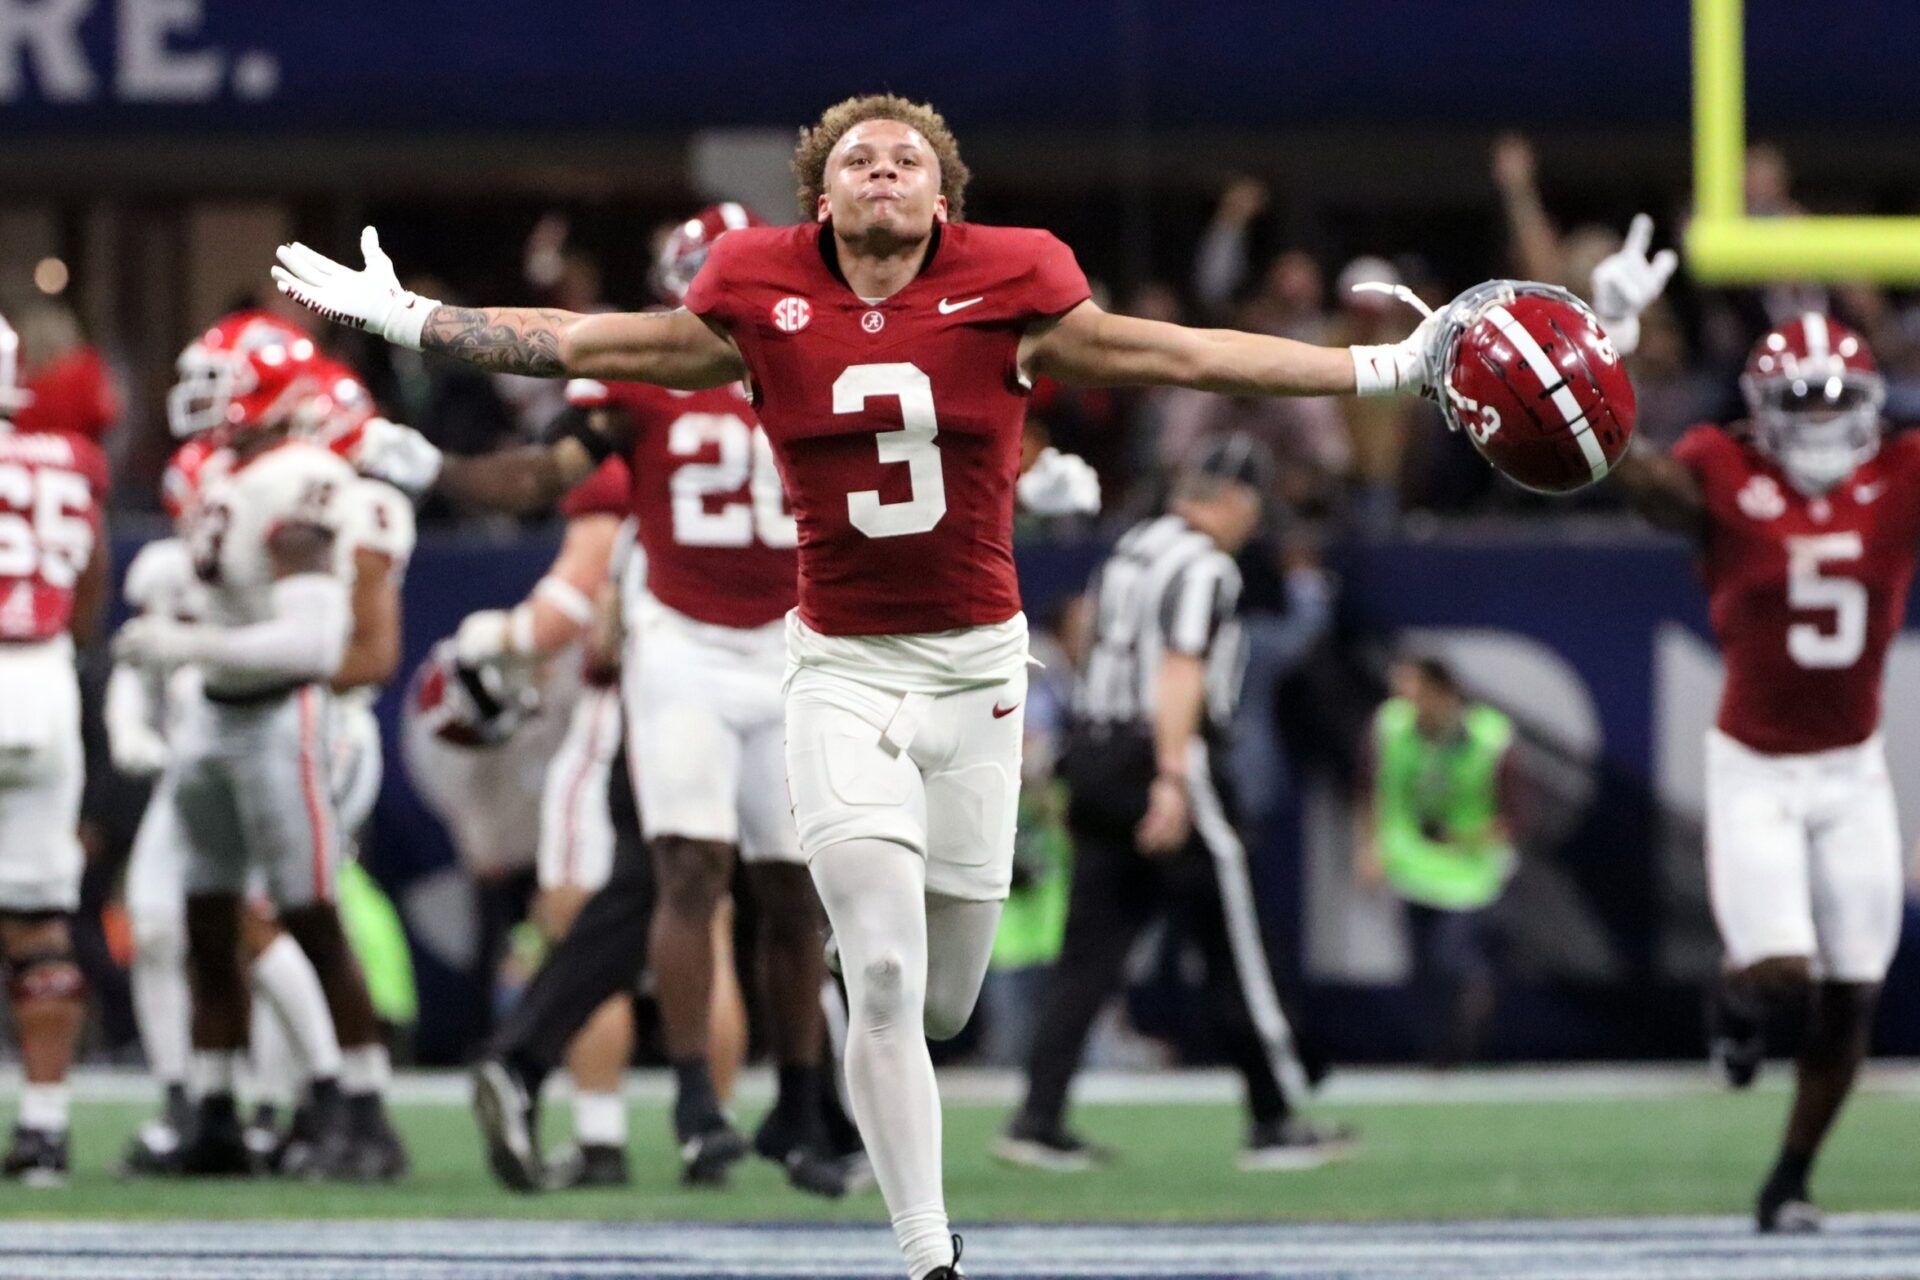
{"points": [[376, 517], [161, 581]]}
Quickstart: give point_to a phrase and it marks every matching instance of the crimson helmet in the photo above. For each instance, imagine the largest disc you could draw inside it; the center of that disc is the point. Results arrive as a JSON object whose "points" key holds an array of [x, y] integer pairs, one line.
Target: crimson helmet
{"points": [[1528, 373], [686, 248], [1814, 394], [13, 396], [469, 705], [240, 373], [335, 408], [180, 481]]}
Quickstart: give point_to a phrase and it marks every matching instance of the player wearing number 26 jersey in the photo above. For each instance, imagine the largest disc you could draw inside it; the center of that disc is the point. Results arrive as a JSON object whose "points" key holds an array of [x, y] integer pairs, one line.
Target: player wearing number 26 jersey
{"points": [[1808, 528]]}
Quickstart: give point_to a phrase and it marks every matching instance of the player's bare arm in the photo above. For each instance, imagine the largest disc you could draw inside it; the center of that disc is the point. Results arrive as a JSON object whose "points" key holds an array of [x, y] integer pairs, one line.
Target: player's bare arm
{"points": [[1663, 490], [1178, 707], [1091, 347], [672, 349], [90, 591], [373, 646]]}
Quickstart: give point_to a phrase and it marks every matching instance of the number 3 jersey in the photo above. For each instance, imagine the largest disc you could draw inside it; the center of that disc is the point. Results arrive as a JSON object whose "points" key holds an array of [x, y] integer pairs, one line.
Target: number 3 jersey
{"points": [[1804, 594], [896, 424], [51, 491], [713, 521]]}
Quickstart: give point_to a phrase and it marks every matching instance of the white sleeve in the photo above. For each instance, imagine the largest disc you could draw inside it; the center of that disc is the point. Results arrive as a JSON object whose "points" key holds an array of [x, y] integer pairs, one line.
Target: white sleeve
{"points": [[134, 740], [305, 639]]}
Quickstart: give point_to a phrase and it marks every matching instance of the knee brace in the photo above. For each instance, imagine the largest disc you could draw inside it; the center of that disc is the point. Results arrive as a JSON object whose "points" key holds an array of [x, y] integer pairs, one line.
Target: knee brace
{"points": [[45, 975]]}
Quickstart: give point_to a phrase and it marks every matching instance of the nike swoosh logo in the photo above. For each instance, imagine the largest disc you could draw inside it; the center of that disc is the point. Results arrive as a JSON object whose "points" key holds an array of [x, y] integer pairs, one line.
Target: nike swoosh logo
{"points": [[1001, 713], [948, 308]]}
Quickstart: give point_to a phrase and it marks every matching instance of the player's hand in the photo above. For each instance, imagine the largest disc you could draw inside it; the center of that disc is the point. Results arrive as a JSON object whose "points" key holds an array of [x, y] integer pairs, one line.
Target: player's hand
{"points": [[1411, 366], [485, 639], [137, 751], [398, 455], [369, 299], [1164, 829], [1626, 282], [1059, 484], [154, 643]]}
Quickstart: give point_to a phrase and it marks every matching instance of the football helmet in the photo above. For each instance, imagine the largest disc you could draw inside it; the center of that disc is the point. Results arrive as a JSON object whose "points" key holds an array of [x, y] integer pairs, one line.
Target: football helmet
{"points": [[1814, 395], [686, 247], [470, 705], [13, 396], [336, 408], [1526, 370], [180, 481], [248, 370]]}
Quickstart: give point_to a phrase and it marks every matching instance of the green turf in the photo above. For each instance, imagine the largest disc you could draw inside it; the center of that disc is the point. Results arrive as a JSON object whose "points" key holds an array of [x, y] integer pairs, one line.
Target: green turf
{"points": [[1677, 1155]]}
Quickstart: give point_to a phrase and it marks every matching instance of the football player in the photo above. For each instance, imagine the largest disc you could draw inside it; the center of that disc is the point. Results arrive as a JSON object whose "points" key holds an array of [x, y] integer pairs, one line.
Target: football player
{"points": [[250, 791], [888, 346], [1806, 518], [52, 581]]}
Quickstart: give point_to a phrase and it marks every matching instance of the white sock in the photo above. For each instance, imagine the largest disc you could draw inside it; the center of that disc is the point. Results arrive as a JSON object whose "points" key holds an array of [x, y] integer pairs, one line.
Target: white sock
{"points": [[284, 978], [162, 1004], [875, 895], [365, 1069], [211, 1071], [599, 1119], [44, 1107], [275, 1068]]}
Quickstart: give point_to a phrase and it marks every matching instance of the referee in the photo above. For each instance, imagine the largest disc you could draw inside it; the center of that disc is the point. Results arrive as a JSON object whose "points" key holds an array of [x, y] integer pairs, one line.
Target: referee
{"points": [[1152, 823]]}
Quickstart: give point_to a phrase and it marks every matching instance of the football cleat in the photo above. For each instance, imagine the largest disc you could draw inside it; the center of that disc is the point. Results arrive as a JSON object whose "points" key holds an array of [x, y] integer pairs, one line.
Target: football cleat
{"points": [[592, 1165], [1050, 1148], [373, 1150], [952, 1270], [216, 1146], [1786, 1213], [707, 1157], [1736, 1038], [508, 1122], [1294, 1143], [38, 1158]]}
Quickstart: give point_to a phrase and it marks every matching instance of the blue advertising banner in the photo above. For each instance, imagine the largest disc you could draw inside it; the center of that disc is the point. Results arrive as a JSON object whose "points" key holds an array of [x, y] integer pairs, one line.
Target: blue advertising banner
{"points": [[482, 65]]}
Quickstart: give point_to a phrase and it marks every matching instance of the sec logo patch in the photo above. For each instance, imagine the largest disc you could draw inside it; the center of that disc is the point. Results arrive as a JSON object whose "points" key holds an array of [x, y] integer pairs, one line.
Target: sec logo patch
{"points": [[791, 315]]}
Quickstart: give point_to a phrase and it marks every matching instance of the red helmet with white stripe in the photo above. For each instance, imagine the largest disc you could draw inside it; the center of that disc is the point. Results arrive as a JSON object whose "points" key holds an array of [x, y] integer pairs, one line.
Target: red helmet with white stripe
{"points": [[1528, 373], [13, 396], [240, 373], [180, 481], [335, 408], [1815, 395], [686, 246]]}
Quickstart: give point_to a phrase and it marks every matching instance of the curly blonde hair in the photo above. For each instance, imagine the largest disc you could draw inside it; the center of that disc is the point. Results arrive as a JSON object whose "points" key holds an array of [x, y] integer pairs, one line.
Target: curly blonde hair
{"points": [[818, 141]]}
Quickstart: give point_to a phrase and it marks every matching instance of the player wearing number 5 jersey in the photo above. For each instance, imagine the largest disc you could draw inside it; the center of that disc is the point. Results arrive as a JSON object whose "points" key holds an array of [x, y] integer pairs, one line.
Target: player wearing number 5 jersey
{"points": [[888, 346], [1808, 525], [52, 576]]}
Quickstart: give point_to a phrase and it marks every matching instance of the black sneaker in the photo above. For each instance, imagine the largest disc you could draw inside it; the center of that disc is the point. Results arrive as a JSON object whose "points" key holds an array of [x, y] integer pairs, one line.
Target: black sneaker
{"points": [[1294, 1142], [216, 1147], [707, 1156], [591, 1165], [1787, 1211], [801, 1149], [37, 1158], [1052, 1148], [1736, 1037], [152, 1152], [952, 1270], [317, 1141], [508, 1119], [374, 1152]]}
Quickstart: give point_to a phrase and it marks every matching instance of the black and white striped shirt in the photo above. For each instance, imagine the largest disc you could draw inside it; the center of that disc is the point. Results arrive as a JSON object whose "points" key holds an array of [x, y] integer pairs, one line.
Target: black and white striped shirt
{"points": [[1165, 587]]}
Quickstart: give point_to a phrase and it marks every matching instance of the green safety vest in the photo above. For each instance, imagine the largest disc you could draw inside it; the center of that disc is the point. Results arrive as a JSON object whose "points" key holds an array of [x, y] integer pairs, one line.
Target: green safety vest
{"points": [[379, 943], [1449, 787]]}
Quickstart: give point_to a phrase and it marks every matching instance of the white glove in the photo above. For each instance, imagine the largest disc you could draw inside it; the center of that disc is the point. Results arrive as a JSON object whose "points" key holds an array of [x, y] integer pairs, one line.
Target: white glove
{"points": [[371, 299], [398, 455], [155, 643], [1408, 367], [1059, 484], [487, 639], [137, 748], [1626, 282]]}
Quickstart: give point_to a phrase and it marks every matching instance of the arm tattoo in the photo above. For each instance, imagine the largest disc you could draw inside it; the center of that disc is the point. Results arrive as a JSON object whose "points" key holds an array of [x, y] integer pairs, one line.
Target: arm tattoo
{"points": [[503, 339]]}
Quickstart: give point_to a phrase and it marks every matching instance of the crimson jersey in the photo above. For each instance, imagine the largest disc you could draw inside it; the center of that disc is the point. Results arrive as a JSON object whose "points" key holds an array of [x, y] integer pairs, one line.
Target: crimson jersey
{"points": [[607, 492], [706, 495], [896, 424], [52, 488], [1805, 594]]}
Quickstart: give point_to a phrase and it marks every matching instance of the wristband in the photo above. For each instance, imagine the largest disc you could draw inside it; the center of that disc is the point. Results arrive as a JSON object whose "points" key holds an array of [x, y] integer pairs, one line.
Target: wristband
{"points": [[520, 631], [571, 601], [406, 318], [1377, 370]]}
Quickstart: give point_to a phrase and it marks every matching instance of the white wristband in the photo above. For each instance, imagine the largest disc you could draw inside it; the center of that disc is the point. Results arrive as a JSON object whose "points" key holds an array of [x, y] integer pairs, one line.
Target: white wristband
{"points": [[405, 318], [1378, 371], [573, 603]]}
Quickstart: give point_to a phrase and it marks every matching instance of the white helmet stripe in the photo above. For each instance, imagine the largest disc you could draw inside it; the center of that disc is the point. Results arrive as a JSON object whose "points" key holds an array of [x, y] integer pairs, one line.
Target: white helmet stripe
{"points": [[1550, 376], [732, 215], [1819, 341]]}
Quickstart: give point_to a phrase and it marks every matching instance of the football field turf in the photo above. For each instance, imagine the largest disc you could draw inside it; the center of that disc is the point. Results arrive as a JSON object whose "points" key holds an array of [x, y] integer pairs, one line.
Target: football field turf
{"points": [[1487, 1146]]}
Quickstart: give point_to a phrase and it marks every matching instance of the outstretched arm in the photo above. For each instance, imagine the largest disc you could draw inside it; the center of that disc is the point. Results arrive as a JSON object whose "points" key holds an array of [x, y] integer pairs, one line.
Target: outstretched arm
{"points": [[673, 349], [523, 479], [1663, 490], [1090, 347]]}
